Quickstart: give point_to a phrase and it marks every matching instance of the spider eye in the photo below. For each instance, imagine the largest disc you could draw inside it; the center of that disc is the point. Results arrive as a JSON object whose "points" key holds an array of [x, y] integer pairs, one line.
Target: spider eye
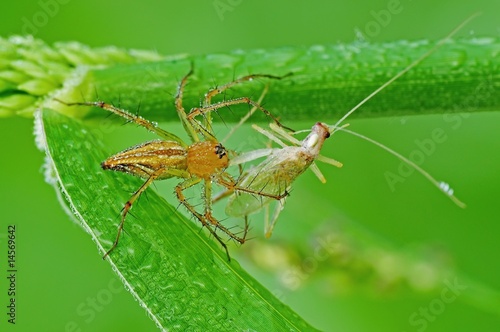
{"points": [[220, 151]]}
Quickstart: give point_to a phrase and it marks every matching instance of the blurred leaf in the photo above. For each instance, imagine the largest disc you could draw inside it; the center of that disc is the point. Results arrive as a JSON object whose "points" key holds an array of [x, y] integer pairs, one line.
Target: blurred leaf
{"points": [[29, 68]]}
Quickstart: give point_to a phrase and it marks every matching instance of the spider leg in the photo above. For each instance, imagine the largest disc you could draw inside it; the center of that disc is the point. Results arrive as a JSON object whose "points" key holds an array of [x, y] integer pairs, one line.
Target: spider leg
{"points": [[247, 116], [218, 90], [128, 206], [129, 117], [242, 100], [208, 107], [186, 123], [232, 186], [208, 224], [211, 218]]}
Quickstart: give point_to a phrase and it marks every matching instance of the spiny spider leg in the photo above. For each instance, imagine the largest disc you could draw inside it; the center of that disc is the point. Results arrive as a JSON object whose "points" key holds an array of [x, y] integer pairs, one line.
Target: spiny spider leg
{"points": [[128, 206], [186, 123], [242, 100], [128, 116], [218, 90], [182, 199], [233, 186], [209, 107]]}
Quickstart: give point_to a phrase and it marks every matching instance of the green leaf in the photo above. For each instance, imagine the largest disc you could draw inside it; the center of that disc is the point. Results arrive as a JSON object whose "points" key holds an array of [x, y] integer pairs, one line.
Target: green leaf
{"points": [[179, 275]]}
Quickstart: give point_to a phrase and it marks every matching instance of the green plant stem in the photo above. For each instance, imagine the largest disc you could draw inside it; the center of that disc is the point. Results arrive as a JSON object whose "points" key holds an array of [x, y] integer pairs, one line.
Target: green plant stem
{"points": [[462, 76]]}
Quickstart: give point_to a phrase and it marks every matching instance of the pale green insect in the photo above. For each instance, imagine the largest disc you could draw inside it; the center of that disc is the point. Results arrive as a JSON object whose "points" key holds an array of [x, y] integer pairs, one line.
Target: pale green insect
{"points": [[271, 179], [277, 172]]}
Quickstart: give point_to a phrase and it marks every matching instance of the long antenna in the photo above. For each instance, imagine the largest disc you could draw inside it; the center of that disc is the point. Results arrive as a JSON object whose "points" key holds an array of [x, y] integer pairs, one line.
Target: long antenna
{"points": [[443, 186], [413, 64]]}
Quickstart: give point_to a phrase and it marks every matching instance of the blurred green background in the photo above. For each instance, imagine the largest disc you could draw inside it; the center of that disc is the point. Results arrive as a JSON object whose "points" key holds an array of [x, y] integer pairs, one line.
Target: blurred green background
{"points": [[63, 283]]}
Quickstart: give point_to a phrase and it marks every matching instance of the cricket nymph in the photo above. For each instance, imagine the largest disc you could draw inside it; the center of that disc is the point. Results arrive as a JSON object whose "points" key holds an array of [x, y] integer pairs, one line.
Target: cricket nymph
{"points": [[314, 141], [202, 159], [275, 175]]}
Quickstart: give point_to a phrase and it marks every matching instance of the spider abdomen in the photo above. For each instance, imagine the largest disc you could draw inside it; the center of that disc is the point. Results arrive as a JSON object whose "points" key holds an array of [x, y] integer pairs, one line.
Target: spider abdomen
{"points": [[144, 159]]}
